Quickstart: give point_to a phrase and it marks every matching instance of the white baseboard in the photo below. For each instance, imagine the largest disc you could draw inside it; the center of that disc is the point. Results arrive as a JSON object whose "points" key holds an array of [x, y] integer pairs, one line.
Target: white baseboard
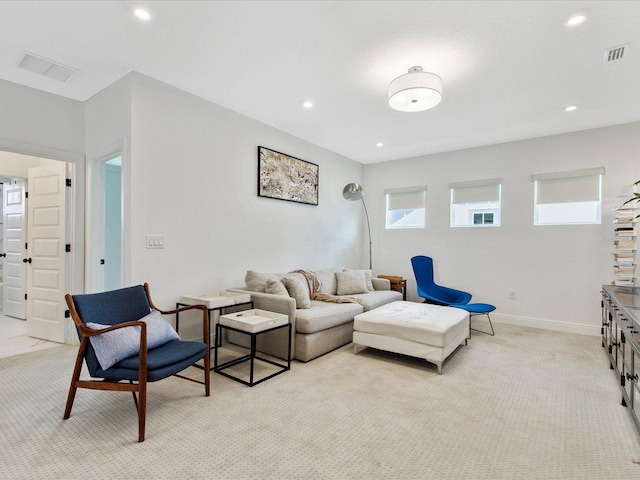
{"points": [[556, 325]]}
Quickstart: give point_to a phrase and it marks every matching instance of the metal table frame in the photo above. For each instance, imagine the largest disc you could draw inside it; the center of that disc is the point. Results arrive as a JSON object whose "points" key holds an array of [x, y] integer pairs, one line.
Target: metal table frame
{"points": [[252, 357], [218, 340]]}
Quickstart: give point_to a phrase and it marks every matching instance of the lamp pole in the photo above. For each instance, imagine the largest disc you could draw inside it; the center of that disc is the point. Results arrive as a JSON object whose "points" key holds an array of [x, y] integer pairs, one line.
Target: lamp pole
{"points": [[353, 192], [369, 230]]}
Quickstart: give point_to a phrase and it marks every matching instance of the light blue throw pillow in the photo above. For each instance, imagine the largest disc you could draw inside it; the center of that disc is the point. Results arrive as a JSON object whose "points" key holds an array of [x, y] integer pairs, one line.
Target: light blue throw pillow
{"points": [[111, 347]]}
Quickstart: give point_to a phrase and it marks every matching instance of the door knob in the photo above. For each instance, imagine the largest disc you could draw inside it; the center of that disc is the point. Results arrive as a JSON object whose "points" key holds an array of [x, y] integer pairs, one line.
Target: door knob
{"points": [[26, 260]]}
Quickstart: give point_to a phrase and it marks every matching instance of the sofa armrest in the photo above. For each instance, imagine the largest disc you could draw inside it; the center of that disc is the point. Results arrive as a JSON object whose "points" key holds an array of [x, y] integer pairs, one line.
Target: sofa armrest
{"points": [[381, 283], [277, 304]]}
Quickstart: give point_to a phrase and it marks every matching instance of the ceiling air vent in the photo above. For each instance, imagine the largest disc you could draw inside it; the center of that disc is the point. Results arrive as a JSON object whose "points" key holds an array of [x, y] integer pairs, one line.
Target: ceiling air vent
{"points": [[46, 68], [615, 53]]}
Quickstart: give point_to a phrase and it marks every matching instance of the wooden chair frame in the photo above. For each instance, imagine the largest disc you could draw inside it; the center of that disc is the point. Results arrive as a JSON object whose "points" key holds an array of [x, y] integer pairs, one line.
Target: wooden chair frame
{"points": [[141, 386]]}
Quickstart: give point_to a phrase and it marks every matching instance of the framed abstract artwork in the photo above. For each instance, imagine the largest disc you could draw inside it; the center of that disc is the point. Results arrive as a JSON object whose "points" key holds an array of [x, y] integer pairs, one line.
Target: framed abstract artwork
{"points": [[287, 178]]}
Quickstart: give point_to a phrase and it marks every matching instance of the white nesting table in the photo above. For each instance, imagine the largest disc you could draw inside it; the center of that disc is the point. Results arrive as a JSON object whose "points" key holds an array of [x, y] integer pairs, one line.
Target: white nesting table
{"points": [[215, 302], [253, 323]]}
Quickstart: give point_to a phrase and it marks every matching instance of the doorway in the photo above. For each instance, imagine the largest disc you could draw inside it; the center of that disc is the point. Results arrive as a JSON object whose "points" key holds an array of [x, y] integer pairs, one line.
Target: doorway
{"points": [[105, 223], [113, 223], [36, 265]]}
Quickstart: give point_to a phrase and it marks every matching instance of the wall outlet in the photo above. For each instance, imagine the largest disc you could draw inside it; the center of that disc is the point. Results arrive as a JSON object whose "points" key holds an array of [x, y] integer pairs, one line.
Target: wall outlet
{"points": [[155, 241], [512, 294]]}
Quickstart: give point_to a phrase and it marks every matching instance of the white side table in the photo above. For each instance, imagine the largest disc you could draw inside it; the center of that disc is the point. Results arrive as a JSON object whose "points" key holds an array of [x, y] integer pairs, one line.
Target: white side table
{"points": [[215, 302], [253, 323]]}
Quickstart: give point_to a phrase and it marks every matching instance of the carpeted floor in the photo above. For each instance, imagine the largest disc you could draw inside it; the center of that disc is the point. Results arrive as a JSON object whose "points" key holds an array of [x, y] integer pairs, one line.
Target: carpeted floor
{"points": [[526, 404]]}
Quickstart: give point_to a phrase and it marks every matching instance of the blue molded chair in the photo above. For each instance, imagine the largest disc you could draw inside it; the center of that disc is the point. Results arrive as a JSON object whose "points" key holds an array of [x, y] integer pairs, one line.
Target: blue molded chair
{"points": [[123, 308], [429, 290], [478, 309]]}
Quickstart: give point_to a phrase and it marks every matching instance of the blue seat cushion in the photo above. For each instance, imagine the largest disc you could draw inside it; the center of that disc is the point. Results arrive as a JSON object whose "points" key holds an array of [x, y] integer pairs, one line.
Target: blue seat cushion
{"points": [[163, 361], [476, 307]]}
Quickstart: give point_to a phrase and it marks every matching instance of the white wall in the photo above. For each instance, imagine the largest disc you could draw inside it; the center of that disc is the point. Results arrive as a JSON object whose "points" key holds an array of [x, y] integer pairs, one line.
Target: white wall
{"points": [[556, 271], [193, 175]]}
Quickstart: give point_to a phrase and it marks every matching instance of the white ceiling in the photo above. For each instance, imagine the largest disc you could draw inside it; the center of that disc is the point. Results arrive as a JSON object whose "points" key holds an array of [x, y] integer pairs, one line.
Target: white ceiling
{"points": [[508, 67]]}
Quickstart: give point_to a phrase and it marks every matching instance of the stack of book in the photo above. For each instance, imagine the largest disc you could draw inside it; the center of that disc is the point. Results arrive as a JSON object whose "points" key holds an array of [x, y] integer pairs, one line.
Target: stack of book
{"points": [[625, 244], [625, 216]]}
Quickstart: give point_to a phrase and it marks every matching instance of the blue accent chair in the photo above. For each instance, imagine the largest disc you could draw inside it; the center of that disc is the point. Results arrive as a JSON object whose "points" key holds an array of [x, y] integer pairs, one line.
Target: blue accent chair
{"points": [[123, 308], [429, 290]]}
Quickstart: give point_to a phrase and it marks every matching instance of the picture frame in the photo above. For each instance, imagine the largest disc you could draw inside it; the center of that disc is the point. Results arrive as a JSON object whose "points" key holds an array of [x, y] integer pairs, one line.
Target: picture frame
{"points": [[288, 178]]}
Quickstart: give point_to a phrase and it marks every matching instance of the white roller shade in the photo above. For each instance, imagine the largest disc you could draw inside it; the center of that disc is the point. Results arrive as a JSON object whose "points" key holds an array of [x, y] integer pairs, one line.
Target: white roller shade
{"points": [[481, 191], [568, 190], [405, 198]]}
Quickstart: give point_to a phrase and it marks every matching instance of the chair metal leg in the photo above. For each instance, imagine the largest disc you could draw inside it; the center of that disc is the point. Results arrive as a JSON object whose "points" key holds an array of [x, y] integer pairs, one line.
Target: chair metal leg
{"points": [[493, 333]]}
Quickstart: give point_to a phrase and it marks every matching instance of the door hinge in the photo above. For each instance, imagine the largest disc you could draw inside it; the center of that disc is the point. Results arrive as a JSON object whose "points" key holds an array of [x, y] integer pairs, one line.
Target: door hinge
{"points": [[26, 194], [67, 314], [26, 246], [68, 182], [25, 296], [67, 247]]}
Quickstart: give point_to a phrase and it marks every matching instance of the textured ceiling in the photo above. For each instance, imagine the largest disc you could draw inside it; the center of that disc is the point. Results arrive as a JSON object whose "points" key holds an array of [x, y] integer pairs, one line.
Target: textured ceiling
{"points": [[508, 67]]}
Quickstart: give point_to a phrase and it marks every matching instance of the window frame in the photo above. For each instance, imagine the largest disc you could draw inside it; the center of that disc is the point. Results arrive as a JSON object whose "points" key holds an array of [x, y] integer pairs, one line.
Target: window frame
{"points": [[569, 176], [476, 207], [388, 193]]}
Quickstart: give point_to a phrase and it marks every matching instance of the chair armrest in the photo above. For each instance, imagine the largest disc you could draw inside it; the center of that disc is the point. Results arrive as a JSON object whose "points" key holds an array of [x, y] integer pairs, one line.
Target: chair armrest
{"points": [[90, 332], [381, 283], [182, 309]]}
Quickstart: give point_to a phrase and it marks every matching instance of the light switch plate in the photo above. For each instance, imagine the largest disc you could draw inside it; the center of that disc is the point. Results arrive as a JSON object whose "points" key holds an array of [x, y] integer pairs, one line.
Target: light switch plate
{"points": [[155, 241]]}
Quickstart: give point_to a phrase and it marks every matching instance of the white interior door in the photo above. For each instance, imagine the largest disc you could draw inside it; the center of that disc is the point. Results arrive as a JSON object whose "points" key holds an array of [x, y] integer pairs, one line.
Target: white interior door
{"points": [[46, 235], [14, 241]]}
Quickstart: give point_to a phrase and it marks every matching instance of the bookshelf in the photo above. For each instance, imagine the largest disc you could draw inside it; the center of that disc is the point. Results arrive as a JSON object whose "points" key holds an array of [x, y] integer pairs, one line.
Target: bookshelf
{"points": [[625, 243]]}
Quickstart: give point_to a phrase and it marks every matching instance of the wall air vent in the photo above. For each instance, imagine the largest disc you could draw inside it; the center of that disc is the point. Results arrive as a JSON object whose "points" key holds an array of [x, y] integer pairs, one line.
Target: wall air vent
{"points": [[615, 53], [46, 68]]}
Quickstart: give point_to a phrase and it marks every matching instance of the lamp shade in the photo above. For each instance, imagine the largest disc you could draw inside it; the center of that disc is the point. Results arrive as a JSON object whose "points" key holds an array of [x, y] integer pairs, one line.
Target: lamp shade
{"points": [[352, 191], [415, 91]]}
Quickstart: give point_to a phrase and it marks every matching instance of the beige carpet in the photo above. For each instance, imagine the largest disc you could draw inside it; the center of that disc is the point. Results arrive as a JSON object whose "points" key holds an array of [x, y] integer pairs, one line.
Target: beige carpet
{"points": [[526, 404]]}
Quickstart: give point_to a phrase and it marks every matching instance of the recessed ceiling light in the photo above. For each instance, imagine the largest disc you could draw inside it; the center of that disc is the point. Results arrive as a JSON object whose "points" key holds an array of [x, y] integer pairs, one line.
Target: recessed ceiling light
{"points": [[307, 104], [142, 14], [575, 20], [570, 108], [379, 144]]}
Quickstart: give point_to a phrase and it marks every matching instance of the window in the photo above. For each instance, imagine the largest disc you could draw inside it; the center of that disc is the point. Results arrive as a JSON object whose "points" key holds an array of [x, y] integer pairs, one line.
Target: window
{"points": [[483, 218], [476, 204], [405, 207], [568, 198]]}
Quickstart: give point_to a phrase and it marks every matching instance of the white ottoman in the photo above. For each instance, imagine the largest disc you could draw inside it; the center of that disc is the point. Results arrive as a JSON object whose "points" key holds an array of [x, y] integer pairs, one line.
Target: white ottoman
{"points": [[415, 329]]}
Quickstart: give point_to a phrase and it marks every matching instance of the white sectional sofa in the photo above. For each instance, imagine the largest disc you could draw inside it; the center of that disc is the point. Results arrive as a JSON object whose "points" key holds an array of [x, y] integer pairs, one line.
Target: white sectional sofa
{"points": [[318, 327]]}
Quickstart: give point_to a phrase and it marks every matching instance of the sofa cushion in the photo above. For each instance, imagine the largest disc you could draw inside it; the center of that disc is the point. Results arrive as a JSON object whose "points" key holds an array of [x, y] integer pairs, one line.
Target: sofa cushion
{"points": [[276, 287], [257, 282], [297, 290], [378, 298], [323, 315], [328, 279], [368, 277], [351, 282]]}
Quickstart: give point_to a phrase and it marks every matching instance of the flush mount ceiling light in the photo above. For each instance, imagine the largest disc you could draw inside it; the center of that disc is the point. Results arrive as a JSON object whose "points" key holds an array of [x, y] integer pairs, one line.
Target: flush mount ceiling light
{"points": [[575, 20], [142, 14], [415, 91]]}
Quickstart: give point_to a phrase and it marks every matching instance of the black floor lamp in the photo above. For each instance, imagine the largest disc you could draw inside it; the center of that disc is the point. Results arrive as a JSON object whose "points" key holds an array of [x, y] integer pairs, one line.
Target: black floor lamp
{"points": [[353, 192]]}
